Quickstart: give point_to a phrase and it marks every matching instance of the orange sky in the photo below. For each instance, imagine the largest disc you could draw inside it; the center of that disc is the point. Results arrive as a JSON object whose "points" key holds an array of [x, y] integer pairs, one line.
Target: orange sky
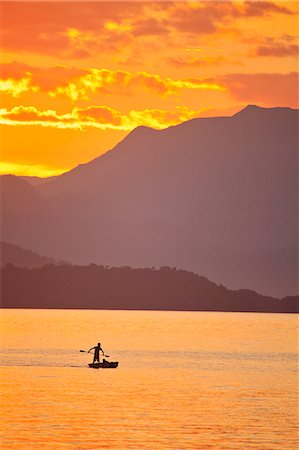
{"points": [[76, 77]]}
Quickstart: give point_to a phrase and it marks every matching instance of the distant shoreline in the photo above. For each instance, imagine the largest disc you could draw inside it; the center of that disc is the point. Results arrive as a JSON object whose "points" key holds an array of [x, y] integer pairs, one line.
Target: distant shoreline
{"points": [[153, 310], [124, 288]]}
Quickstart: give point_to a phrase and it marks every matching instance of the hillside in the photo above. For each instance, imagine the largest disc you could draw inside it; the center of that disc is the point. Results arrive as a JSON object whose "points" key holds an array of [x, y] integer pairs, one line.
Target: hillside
{"points": [[218, 196], [97, 287], [20, 257]]}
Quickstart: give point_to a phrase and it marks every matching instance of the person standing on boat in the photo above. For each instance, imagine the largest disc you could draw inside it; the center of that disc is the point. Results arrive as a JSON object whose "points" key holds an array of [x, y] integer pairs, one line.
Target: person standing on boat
{"points": [[97, 349]]}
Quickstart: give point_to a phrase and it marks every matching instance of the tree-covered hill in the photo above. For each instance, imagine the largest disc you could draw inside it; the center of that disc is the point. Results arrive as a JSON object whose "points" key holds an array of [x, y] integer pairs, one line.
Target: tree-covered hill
{"points": [[99, 287]]}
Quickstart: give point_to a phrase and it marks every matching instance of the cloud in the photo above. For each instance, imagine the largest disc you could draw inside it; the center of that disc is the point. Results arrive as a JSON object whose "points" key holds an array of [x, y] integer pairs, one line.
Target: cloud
{"points": [[101, 117], [35, 170], [100, 114], [81, 84], [160, 119], [14, 69], [43, 27], [262, 8], [60, 80], [267, 46], [202, 18], [265, 89], [17, 87], [277, 50], [109, 81], [38, 78], [30, 115], [207, 61], [82, 29], [150, 27], [197, 19]]}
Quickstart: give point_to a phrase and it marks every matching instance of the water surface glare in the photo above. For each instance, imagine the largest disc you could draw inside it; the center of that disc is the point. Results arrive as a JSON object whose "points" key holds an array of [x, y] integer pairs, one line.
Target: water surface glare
{"points": [[186, 380]]}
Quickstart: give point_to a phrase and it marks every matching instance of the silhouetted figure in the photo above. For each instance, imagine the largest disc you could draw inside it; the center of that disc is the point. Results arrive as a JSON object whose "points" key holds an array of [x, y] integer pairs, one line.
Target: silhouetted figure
{"points": [[96, 356]]}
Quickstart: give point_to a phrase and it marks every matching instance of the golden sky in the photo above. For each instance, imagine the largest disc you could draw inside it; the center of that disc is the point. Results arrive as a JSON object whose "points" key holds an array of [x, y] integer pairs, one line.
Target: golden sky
{"points": [[76, 77]]}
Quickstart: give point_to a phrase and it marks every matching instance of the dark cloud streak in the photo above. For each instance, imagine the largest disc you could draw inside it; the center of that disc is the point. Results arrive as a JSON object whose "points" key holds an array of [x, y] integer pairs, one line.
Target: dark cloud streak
{"points": [[278, 50]]}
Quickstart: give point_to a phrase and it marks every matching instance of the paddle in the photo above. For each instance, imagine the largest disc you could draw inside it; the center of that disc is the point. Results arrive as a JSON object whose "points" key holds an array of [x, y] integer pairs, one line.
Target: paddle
{"points": [[85, 351]]}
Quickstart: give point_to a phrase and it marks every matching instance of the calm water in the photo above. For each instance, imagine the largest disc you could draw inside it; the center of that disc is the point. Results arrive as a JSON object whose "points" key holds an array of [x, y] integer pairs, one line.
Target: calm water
{"points": [[185, 381]]}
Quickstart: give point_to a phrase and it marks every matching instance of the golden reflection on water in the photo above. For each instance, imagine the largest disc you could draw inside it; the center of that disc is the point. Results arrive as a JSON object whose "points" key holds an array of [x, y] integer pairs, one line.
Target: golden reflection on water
{"points": [[185, 380]]}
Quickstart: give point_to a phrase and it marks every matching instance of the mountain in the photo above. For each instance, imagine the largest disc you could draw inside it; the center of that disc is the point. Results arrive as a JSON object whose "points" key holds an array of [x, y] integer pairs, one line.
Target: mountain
{"points": [[18, 197], [23, 213], [97, 287], [217, 196], [34, 181], [18, 256]]}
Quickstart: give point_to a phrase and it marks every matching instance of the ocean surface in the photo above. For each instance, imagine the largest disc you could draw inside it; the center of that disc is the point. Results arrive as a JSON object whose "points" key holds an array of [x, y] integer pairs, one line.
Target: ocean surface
{"points": [[186, 380]]}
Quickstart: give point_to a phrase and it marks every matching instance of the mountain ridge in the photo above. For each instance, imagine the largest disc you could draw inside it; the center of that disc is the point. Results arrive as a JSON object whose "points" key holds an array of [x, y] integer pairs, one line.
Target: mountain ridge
{"points": [[216, 196], [99, 287], [143, 128], [20, 257]]}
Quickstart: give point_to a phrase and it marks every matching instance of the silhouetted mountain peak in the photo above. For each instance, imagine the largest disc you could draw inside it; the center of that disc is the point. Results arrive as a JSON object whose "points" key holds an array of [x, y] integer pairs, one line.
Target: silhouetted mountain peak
{"points": [[142, 129], [253, 110], [138, 135]]}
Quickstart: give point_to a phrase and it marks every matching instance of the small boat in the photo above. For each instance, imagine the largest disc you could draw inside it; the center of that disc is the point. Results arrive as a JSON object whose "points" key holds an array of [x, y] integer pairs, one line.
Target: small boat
{"points": [[104, 365]]}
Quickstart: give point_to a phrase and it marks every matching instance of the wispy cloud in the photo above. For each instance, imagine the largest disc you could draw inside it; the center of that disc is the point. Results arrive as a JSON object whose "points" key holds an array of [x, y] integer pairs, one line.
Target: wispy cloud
{"points": [[80, 29], [35, 170], [15, 88], [204, 61], [81, 84], [279, 50], [100, 117]]}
